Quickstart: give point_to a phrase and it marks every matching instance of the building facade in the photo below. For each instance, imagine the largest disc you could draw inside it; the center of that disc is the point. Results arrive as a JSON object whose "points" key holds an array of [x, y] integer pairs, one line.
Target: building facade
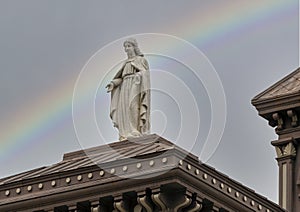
{"points": [[144, 174], [280, 105]]}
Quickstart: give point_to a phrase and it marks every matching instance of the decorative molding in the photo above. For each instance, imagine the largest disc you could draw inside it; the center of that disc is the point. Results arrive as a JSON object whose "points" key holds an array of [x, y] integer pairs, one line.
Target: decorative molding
{"points": [[158, 200]]}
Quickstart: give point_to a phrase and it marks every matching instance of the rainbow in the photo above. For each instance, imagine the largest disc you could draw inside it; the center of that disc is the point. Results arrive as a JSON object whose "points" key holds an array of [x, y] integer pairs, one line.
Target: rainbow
{"points": [[225, 21], [220, 22], [36, 120]]}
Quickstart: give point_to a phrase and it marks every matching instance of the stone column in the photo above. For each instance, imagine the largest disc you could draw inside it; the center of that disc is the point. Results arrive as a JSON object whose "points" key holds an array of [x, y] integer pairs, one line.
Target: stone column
{"points": [[286, 154]]}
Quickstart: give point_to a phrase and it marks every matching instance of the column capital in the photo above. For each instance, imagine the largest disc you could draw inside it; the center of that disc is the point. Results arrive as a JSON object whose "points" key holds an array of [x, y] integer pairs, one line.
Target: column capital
{"points": [[285, 148]]}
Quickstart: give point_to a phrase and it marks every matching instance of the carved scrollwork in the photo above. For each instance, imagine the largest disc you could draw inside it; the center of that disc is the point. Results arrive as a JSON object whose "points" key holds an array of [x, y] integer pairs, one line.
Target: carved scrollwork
{"points": [[95, 209], [159, 202], [197, 207], [145, 203], [119, 206], [184, 204], [188, 204], [138, 208]]}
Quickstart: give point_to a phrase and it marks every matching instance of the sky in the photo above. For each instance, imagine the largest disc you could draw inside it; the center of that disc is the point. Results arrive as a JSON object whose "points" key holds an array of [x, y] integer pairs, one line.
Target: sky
{"points": [[208, 59]]}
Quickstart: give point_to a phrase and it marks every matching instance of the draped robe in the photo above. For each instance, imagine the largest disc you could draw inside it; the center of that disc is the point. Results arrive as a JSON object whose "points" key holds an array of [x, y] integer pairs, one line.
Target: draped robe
{"points": [[130, 98]]}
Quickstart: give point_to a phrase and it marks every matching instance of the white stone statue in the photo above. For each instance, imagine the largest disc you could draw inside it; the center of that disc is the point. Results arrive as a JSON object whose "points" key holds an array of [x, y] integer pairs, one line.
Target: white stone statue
{"points": [[130, 94]]}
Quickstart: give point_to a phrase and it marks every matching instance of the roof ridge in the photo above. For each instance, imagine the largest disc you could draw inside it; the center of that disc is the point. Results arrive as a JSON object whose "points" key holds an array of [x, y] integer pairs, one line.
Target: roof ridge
{"points": [[152, 138]]}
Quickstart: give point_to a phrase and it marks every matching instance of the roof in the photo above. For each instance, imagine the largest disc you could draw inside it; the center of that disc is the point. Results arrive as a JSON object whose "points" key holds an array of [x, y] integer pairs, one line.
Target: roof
{"points": [[282, 96], [116, 165], [286, 86], [97, 155]]}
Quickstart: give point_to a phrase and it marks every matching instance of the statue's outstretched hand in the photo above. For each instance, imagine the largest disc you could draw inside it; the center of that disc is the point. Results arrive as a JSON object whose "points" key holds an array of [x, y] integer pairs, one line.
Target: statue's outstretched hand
{"points": [[110, 87]]}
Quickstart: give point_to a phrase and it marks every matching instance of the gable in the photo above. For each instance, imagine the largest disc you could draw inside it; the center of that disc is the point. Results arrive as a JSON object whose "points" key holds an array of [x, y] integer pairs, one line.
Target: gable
{"points": [[286, 86]]}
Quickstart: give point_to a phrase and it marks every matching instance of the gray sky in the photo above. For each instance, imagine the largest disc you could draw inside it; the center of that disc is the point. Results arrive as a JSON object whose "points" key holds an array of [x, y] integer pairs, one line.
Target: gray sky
{"points": [[44, 46]]}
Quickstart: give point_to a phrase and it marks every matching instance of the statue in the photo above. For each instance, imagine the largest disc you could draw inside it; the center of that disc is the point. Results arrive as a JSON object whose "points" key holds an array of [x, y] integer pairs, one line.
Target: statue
{"points": [[130, 94]]}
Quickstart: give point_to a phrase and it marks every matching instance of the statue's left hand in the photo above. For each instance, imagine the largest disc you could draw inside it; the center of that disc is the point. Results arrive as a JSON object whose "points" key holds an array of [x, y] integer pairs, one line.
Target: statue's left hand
{"points": [[136, 66], [110, 87]]}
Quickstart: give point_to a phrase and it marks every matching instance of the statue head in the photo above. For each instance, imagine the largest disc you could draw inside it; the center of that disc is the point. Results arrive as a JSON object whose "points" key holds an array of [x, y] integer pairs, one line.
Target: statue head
{"points": [[134, 43]]}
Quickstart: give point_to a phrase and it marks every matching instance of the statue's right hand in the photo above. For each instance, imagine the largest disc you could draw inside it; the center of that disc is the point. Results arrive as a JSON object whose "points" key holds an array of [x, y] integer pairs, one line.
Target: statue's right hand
{"points": [[110, 87]]}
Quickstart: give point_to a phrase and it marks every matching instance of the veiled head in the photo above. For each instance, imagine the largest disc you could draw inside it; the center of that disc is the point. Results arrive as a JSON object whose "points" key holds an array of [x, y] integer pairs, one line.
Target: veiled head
{"points": [[134, 43]]}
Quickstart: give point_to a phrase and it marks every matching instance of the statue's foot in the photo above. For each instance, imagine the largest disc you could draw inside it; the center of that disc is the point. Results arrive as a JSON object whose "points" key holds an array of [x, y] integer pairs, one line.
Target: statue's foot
{"points": [[122, 138], [135, 134]]}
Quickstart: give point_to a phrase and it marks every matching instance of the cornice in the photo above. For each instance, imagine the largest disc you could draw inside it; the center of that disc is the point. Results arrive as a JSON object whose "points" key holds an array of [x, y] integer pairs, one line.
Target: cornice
{"points": [[127, 175], [271, 105]]}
